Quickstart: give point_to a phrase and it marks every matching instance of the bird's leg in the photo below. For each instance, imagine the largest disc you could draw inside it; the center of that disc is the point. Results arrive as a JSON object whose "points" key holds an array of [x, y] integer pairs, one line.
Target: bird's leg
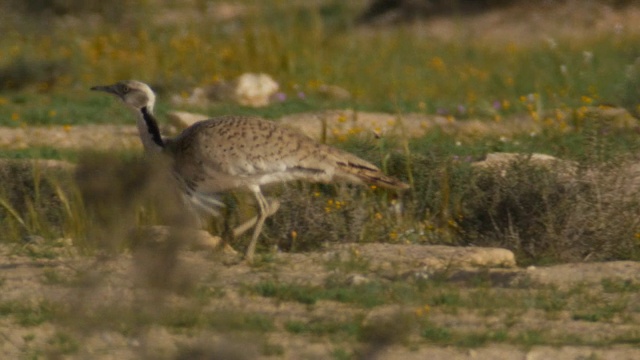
{"points": [[263, 208], [227, 234], [273, 206]]}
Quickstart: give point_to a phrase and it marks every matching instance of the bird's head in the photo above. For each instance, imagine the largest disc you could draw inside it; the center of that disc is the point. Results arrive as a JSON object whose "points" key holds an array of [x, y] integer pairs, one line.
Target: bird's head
{"points": [[135, 94]]}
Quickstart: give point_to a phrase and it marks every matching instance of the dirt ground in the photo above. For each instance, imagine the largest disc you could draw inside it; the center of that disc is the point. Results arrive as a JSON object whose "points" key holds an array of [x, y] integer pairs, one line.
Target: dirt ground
{"points": [[95, 298]]}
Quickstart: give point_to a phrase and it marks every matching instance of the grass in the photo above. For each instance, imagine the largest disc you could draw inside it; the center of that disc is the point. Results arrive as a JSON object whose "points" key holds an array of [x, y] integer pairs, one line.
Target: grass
{"points": [[28, 315], [190, 318], [307, 46], [443, 298], [483, 299], [49, 153], [63, 344], [554, 84], [535, 212], [323, 327]]}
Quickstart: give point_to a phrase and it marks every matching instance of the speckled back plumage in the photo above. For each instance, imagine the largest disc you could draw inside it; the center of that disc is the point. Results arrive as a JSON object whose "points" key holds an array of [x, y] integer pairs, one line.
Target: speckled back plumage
{"points": [[232, 152], [236, 151]]}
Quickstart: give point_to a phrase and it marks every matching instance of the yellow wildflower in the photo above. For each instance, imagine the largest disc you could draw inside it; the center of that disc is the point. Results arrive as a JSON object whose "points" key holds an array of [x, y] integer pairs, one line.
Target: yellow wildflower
{"points": [[586, 99], [509, 81], [437, 64], [422, 311]]}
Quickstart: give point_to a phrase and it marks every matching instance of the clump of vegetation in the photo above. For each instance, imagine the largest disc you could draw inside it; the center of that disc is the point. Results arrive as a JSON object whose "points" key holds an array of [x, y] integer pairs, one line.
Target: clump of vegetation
{"points": [[110, 11], [34, 199], [24, 72], [545, 217]]}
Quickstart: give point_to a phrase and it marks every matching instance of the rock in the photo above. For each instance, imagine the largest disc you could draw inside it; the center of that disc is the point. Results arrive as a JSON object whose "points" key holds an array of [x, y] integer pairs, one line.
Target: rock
{"points": [[505, 159], [334, 92], [567, 275], [183, 119], [396, 260], [249, 89], [93, 136], [607, 116], [445, 256], [255, 90], [357, 279], [501, 162], [338, 124], [617, 117], [220, 91]]}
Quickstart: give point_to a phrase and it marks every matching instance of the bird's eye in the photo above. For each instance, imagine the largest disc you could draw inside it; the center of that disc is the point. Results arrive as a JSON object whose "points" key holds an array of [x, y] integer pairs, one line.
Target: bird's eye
{"points": [[125, 89]]}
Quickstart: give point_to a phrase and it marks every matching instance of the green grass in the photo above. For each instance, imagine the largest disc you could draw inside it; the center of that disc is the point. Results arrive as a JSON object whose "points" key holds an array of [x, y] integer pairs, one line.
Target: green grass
{"points": [[324, 327], [484, 300], [29, 314], [535, 212], [305, 46], [353, 263], [193, 317], [619, 286], [62, 343], [50, 153]]}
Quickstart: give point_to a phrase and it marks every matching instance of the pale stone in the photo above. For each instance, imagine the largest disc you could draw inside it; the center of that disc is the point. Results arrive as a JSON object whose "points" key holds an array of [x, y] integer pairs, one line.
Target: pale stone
{"points": [[505, 159], [184, 119], [334, 92], [501, 162], [396, 259], [249, 89], [255, 90], [357, 279]]}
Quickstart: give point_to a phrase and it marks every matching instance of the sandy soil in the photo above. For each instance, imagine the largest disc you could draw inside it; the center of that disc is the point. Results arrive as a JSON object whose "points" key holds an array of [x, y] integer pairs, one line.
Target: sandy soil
{"points": [[97, 299]]}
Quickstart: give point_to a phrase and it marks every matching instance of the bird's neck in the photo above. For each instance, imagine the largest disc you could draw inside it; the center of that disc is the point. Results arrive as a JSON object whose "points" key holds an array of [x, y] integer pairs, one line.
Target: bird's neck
{"points": [[149, 130]]}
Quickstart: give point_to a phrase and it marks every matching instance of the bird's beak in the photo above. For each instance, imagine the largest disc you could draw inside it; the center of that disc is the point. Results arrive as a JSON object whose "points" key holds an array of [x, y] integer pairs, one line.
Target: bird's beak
{"points": [[111, 89]]}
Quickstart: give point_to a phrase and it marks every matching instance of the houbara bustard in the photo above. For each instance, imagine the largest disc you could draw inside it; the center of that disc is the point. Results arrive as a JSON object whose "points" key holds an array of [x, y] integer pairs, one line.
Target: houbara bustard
{"points": [[234, 152]]}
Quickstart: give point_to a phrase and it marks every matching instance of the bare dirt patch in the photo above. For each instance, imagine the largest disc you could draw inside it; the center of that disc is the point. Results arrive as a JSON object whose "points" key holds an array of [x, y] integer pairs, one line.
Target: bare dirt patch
{"points": [[104, 308]]}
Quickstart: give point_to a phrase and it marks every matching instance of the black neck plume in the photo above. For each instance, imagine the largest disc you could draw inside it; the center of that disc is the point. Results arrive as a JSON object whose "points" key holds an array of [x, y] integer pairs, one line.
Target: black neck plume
{"points": [[152, 126]]}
